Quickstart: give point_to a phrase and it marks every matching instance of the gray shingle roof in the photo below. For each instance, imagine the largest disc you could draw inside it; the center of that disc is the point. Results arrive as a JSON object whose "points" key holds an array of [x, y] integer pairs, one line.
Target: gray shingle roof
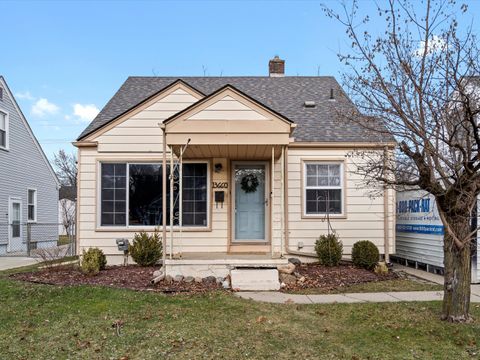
{"points": [[285, 95]]}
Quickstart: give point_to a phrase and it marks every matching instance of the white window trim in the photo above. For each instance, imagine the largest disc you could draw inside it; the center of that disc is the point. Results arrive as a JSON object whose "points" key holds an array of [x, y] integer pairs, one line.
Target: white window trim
{"points": [[327, 187], [35, 201], [146, 227], [7, 130]]}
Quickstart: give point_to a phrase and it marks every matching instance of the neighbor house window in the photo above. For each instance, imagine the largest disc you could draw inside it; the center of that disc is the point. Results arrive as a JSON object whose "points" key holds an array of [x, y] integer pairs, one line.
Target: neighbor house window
{"points": [[3, 130], [32, 205], [323, 188], [138, 202]]}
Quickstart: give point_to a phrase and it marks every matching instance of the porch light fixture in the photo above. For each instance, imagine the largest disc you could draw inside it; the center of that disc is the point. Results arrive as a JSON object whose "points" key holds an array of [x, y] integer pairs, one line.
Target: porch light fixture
{"points": [[218, 167]]}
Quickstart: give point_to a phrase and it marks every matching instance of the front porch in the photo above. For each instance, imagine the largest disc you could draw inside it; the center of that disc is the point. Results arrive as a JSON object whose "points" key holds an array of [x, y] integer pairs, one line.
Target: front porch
{"points": [[245, 146]]}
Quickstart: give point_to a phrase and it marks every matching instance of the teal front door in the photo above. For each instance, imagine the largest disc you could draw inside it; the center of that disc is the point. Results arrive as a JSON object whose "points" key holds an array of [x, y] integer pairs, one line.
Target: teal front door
{"points": [[250, 202]]}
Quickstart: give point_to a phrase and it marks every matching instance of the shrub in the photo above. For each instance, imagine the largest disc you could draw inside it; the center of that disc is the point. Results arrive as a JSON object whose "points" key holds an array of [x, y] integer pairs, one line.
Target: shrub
{"points": [[93, 260], [381, 269], [329, 249], [146, 249], [365, 254]]}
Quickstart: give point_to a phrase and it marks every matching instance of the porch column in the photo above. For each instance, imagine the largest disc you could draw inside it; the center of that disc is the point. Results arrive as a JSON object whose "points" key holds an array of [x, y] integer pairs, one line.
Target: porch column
{"points": [[164, 197], [172, 180], [272, 204], [282, 201]]}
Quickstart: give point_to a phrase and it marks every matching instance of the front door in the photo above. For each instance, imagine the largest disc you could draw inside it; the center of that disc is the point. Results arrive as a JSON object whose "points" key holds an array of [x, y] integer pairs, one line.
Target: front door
{"points": [[15, 227], [250, 202]]}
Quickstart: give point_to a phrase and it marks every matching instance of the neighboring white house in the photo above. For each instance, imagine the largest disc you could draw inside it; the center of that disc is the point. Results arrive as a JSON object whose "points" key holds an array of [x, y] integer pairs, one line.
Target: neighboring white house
{"points": [[263, 159], [28, 184]]}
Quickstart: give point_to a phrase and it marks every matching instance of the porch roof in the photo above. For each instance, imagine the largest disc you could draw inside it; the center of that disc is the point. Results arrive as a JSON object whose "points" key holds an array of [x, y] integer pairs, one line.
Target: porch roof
{"points": [[228, 123]]}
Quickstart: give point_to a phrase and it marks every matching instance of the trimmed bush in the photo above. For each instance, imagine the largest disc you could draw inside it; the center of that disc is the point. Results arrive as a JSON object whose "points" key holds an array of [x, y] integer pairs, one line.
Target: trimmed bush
{"points": [[329, 249], [93, 261], [146, 249], [365, 254]]}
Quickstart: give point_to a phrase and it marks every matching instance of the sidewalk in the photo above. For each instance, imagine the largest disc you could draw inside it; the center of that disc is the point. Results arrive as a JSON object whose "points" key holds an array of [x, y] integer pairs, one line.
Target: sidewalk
{"points": [[15, 262], [283, 298]]}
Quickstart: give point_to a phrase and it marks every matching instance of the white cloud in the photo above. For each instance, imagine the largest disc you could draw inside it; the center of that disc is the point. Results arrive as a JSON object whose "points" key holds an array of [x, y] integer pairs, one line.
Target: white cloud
{"points": [[436, 43], [43, 107], [85, 112], [25, 95]]}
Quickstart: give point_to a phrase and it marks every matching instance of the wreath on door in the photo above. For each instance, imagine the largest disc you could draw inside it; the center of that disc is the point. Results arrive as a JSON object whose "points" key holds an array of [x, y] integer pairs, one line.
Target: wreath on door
{"points": [[250, 183]]}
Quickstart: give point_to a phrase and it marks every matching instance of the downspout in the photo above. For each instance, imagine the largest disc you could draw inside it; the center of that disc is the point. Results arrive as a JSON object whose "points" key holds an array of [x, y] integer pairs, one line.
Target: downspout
{"points": [[164, 196], [385, 210]]}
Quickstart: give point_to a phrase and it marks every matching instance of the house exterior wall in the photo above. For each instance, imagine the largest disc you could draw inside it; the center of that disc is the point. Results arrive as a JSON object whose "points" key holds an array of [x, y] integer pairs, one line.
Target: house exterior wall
{"points": [[364, 215], [138, 138], [23, 166]]}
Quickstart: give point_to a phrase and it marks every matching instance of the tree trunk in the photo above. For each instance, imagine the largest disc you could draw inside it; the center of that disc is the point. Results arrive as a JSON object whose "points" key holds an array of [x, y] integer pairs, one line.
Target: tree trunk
{"points": [[457, 262]]}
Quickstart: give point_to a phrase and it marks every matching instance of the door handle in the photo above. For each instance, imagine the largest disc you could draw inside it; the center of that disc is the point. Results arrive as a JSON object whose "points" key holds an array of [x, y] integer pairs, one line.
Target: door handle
{"points": [[266, 201]]}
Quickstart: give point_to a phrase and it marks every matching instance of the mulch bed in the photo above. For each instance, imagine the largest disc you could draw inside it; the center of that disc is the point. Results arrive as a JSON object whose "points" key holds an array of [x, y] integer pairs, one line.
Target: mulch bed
{"points": [[330, 278], [128, 277]]}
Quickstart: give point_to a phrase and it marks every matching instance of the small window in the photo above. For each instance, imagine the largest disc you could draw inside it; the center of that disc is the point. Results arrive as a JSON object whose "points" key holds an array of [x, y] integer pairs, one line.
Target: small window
{"points": [[114, 195], [323, 188], [3, 130], [32, 205]]}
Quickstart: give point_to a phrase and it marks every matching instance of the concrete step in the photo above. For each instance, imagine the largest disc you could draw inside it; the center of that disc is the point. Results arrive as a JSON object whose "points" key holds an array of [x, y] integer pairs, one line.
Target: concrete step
{"points": [[255, 279]]}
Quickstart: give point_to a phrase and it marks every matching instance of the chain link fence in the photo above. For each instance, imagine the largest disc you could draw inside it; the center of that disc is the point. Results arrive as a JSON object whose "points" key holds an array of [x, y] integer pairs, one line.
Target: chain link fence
{"points": [[47, 241]]}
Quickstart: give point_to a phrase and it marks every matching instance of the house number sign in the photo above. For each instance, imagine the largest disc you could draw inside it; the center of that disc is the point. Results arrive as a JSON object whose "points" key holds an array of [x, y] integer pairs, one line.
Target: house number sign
{"points": [[220, 185]]}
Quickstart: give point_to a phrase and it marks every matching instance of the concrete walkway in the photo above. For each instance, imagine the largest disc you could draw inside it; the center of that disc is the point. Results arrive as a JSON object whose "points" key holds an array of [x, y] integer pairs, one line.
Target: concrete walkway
{"points": [[282, 298], [12, 262]]}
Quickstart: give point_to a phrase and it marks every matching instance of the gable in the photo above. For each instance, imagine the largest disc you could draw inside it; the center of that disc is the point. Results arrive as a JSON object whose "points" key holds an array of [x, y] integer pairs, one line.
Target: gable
{"points": [[140, 130], [24, 149], [227, 117], [165, 103], [228, 108]]}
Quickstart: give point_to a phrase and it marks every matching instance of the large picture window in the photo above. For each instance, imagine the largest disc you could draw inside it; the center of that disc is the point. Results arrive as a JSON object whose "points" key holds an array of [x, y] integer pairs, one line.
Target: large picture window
{"points": [[140, 202], [323, 188]]}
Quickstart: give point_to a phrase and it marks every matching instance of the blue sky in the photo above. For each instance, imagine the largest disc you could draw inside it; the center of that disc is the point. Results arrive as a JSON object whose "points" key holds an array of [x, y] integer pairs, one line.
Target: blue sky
{"points": [[64, 60]]}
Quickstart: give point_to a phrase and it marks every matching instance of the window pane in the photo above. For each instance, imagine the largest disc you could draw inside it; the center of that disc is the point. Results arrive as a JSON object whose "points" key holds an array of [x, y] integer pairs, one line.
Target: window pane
{"points": [[31, 212], [3, 138], [145, 196], [323, 170], [322, 201], [113, 194], [3, 121], [31, 197], [194, 195]]}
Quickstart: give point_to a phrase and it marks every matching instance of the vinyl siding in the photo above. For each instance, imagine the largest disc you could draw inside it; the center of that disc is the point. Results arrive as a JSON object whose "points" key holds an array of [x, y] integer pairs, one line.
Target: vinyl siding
{"points": [[22, 167], [364, 215]]}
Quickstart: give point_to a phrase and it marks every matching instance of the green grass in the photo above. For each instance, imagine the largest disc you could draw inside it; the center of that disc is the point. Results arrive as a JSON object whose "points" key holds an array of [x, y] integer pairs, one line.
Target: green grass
{"points": [[48, 322], [379, 286]]}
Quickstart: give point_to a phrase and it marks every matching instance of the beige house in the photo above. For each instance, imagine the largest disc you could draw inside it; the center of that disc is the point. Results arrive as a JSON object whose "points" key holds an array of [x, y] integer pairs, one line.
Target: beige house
{"points": [[258, 162]]}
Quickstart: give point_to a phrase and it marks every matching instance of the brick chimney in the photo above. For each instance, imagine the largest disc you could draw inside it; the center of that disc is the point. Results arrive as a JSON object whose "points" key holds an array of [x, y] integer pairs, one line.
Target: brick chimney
{"points": [[276, 67]]}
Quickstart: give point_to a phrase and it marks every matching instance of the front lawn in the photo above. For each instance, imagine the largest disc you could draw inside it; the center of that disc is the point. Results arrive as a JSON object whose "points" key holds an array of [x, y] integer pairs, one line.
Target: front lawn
{"points": [[50, 322]]}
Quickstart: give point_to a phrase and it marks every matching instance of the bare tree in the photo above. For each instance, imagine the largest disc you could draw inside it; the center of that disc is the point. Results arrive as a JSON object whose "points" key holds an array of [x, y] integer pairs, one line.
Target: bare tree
{"points": [[68, 214], [66, 168], [417, 77]]}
